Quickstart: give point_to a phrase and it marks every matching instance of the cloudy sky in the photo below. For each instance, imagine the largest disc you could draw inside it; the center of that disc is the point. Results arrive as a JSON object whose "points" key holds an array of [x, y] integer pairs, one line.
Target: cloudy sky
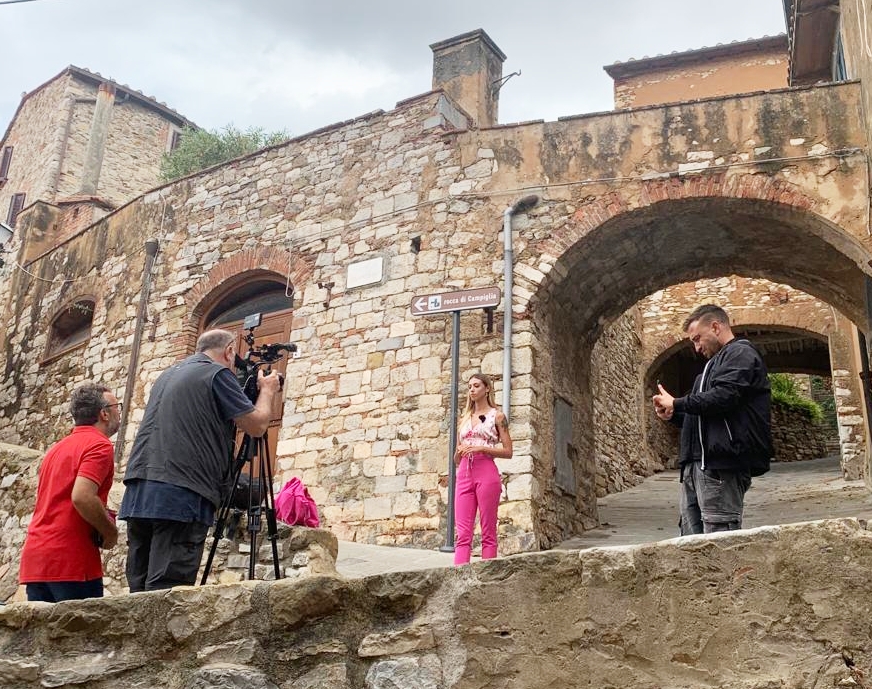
{"points": [[297, 65]]}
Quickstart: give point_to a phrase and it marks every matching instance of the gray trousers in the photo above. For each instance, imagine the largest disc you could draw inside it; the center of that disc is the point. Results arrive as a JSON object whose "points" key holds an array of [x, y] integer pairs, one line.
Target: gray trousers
{"points": [[711, 500], [163, 553]]}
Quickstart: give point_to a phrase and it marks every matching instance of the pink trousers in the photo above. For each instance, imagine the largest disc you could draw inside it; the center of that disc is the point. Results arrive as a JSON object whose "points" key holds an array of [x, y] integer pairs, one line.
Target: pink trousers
{"points": [[478, 487]]}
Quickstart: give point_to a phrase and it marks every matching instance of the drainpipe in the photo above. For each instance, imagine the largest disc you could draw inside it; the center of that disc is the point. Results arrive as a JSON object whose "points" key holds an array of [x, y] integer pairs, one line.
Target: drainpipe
{"points": [[521, 206], [150, 254]]}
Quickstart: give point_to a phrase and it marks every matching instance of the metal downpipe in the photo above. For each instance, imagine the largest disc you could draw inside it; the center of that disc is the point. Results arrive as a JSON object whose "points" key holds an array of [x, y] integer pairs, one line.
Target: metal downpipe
{"points": [[524, 204], [151, 247]]}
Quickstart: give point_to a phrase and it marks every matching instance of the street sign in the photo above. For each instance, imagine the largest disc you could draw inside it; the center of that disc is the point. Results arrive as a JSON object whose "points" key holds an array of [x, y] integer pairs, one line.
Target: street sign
{"points": [[479, 298]]}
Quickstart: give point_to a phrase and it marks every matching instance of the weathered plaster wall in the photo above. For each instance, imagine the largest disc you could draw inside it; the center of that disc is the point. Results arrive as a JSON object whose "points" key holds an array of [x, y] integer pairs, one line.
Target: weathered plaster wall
{"points": [[784, 606], [725, 75]]}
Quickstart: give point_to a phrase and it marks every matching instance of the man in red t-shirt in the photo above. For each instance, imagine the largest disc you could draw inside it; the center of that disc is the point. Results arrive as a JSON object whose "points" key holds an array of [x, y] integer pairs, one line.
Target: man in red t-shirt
{"points": [[61, 557]]}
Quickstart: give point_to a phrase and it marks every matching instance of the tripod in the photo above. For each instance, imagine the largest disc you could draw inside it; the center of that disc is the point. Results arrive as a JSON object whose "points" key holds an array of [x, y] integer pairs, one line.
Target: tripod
{"points": [[260, 503]]}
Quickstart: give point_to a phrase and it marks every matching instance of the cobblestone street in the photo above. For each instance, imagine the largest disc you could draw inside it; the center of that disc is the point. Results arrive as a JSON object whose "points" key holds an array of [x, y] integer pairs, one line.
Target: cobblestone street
{"points": [[790, 492]]}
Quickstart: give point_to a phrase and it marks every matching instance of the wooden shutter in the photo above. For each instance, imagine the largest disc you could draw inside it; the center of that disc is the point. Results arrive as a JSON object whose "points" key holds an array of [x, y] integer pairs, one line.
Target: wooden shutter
{"points": [[15, 206], [5, 162]]}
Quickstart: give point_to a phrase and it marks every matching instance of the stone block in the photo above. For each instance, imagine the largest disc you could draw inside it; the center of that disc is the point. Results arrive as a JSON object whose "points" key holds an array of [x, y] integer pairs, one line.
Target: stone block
{"points": [[376, 508], [390, 484]]}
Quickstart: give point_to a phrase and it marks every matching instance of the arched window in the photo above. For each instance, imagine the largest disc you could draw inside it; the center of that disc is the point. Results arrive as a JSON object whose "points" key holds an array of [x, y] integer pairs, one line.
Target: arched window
{"points": [[71, 327], [257, 296]]}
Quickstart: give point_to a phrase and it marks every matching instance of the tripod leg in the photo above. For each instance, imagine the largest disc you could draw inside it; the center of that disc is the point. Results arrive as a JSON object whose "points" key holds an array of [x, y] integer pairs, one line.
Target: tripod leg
{"points": [[269, 502], [254, 512], [224, 510]]}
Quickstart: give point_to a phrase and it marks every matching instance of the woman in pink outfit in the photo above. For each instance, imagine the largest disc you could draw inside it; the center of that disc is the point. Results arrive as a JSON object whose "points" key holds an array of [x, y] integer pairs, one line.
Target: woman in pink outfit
{"points": [[483, 434]]}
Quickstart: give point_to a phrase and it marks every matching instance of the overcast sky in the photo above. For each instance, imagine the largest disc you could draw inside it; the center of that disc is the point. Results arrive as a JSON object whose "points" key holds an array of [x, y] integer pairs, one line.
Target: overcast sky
{"points": [[298, 65]]}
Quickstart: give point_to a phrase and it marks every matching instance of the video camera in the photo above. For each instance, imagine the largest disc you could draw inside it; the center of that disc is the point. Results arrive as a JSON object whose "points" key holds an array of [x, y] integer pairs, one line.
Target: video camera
{"points": [[262, 355]]}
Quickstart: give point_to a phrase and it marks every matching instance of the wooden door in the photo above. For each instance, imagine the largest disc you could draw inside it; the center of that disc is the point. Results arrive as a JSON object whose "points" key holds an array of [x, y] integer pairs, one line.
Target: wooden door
{"points": [[274, 328]]}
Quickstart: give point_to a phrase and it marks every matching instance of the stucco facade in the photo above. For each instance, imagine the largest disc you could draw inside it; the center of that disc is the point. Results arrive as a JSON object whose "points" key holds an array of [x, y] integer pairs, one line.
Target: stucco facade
{"points": [[738, 67]]}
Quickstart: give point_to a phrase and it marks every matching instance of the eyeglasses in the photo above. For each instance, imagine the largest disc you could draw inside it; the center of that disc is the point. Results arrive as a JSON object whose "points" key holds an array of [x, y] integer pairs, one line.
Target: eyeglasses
{"points": [[114, 404]]}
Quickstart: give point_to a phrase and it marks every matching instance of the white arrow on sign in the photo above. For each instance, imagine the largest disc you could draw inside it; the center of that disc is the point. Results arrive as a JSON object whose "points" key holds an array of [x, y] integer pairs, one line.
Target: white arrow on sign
{"points": [[475, 298]]}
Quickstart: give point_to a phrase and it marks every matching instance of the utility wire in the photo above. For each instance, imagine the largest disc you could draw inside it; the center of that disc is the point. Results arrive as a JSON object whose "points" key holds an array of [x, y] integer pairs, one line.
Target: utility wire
{"points": [[13, 2]]}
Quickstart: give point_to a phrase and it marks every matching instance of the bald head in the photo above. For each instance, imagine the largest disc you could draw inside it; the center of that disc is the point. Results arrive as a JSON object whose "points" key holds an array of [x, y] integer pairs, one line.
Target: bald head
{"points": [[214, 340], [218, 345]]}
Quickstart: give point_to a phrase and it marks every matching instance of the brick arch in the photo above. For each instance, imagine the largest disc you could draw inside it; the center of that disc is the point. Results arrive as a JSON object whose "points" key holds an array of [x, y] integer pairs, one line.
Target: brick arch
{"points": [[609, 229], [717, 185], [599, 210], [83, 294], [666, 344], [264, 260], [819, 320]]}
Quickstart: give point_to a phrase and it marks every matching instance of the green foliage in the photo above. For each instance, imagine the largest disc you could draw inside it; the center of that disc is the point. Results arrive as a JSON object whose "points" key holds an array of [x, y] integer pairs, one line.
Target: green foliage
{"points": [[784, 393], [201, 148], [822, 393]]}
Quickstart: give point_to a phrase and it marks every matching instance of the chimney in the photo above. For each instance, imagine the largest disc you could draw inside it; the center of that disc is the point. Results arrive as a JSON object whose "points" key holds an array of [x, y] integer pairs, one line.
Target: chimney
{"points": [[468, 67], [97, 139]]}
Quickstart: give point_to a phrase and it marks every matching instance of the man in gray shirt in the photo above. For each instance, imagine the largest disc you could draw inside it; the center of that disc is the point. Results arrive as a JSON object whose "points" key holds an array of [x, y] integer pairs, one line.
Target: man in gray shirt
{"points": [[181, 460]]}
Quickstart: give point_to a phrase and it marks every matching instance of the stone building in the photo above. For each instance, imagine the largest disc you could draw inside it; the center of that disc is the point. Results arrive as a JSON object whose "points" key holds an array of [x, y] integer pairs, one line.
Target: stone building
{"points": [[332, 235], [78, 147], [84, 144]]}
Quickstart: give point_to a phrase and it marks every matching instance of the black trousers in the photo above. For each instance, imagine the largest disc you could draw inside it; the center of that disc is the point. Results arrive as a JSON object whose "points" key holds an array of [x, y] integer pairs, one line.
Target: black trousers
{"points": [[163, 553], [56, 591]]}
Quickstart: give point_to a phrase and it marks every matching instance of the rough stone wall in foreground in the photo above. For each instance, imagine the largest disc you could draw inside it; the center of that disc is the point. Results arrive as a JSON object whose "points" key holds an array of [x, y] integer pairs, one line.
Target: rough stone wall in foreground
{"points": [[770, 607]]}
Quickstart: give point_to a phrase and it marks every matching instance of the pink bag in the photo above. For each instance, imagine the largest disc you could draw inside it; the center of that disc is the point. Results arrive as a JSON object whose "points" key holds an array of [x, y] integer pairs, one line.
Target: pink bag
{"points": [[295, 506]]}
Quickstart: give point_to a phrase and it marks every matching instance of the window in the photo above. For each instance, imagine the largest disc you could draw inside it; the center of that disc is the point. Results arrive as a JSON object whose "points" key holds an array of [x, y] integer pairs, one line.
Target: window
{"points": [[71, 327], [174, 140], [15, 206], [257, 296], [5, 161]]}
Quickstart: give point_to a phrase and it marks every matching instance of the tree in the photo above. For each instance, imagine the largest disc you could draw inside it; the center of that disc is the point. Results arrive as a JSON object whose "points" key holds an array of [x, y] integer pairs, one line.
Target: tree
{"points": [[201, 148]]}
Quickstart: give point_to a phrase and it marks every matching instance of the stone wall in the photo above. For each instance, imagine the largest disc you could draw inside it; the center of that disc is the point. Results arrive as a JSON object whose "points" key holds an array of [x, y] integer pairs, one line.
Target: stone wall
{"points": [[796, 436], [35, 136], [785, 606], [620, 405]]}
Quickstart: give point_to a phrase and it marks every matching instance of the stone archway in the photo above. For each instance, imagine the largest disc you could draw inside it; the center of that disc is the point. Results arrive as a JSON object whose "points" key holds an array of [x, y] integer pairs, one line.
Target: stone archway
{"points": [[622, 246], [760, 304]]}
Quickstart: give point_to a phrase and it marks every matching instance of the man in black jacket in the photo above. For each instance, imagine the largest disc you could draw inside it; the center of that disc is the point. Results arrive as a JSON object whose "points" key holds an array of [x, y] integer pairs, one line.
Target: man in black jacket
{"points": [[725, 424]]}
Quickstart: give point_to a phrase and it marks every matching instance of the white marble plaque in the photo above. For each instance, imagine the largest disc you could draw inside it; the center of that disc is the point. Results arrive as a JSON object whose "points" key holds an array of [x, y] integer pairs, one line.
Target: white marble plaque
{"points": [[365, 272]]}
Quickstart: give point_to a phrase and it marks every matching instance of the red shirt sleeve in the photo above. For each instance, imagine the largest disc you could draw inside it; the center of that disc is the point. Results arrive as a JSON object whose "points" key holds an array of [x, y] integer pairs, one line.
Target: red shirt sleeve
{"points": [[98, 462]]}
